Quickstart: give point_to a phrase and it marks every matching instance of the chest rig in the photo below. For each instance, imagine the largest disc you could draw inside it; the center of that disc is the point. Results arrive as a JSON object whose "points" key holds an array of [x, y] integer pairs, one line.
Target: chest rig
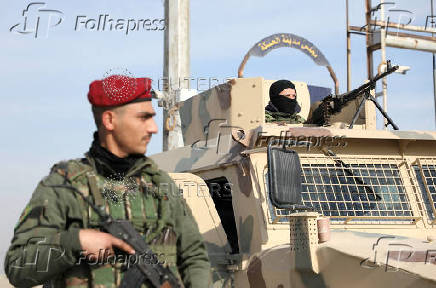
{"points": [[137, 199]]}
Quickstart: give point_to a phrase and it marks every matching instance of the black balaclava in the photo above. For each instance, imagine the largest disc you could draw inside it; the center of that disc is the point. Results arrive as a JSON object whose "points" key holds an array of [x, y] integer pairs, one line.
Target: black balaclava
{"points": [[108, 164], [283, 103]]}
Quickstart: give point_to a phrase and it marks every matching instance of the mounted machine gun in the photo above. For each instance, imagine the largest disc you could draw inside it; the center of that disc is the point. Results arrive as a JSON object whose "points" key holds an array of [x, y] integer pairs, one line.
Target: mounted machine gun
{"points": [[333, 104]]}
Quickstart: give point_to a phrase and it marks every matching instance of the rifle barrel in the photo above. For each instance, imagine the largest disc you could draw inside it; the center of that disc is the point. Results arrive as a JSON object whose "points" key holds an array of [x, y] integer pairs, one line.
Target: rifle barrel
{"points": [[357, 91]]}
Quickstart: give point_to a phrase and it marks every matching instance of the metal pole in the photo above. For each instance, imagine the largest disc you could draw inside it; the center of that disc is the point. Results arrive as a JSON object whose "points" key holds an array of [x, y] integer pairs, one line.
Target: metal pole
{"points": [[383, 59], [166, 73], [368, 37], [176, 60], [404, 26], [348, 49], [434, 64]]}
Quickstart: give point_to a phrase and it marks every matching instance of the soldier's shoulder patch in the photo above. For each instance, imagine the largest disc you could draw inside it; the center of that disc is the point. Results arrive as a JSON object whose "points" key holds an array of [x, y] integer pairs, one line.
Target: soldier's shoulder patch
{"points": [[24, 215]]}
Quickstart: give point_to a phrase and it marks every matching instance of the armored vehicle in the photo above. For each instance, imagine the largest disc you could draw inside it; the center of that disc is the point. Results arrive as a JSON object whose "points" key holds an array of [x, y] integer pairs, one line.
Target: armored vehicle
{"points": [[367, 212]]}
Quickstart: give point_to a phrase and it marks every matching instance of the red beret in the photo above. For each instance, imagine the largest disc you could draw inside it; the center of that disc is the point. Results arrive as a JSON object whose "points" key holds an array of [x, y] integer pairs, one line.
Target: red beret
{"points": [[118, 90]]}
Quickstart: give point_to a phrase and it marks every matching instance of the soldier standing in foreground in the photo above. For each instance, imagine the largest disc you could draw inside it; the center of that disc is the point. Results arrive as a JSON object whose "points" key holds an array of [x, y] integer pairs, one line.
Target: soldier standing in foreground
{"points": [[57, 239], [283, 106]]}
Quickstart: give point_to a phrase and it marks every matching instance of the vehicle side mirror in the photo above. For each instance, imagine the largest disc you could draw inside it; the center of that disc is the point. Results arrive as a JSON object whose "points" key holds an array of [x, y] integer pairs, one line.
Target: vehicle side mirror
{"points": [[284, 177]]}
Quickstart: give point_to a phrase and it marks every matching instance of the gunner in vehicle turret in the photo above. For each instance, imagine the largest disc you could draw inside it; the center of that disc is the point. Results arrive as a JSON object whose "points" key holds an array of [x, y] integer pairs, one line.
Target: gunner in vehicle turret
{"points": [[283, 105]]}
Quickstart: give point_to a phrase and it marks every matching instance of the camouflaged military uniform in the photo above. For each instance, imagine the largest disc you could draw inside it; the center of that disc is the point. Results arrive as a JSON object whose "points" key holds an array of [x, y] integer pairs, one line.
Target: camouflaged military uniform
{"points": [[283, 117], [46, 243]]}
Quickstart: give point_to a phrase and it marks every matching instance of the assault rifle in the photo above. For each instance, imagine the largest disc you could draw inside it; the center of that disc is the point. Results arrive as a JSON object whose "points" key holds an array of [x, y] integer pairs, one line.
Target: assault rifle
{"points": [[158, 275], [333, 104]]}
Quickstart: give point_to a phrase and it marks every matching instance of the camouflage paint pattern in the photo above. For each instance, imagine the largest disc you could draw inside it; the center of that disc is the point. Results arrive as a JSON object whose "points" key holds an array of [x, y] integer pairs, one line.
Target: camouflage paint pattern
{"points": [[235, 148]]}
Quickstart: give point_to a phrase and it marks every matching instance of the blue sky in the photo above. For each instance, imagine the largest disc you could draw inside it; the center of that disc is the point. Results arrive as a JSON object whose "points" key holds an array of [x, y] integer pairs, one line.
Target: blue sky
{"points": [[45, 116]]}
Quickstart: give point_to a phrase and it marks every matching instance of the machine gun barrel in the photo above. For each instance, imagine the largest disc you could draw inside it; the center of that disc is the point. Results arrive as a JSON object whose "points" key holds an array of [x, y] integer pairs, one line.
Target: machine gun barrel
{"points": [[333, 104], [353, 94]]}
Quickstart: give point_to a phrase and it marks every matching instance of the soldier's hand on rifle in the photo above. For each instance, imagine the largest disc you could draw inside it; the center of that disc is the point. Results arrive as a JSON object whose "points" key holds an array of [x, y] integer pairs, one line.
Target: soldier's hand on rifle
{"points": [[97, 244]]}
